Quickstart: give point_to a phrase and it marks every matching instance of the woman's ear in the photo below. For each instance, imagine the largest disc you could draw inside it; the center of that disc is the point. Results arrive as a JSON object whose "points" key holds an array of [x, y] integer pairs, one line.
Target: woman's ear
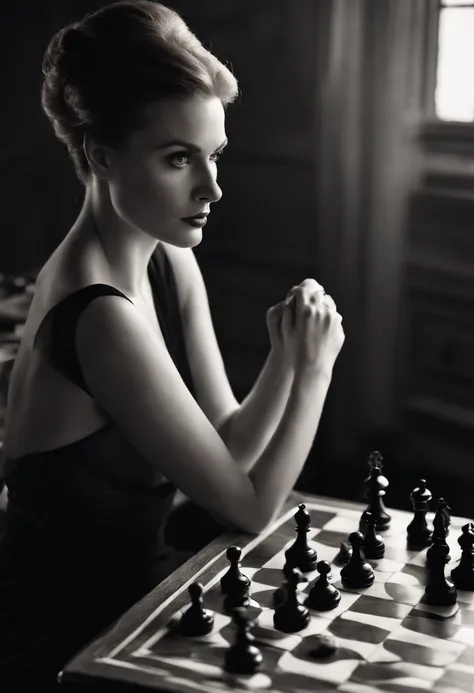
{"points": [[97, 155]]}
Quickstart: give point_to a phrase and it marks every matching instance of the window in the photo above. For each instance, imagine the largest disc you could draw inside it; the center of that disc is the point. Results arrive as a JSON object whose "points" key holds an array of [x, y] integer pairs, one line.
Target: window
{"points": [[454, 92]]}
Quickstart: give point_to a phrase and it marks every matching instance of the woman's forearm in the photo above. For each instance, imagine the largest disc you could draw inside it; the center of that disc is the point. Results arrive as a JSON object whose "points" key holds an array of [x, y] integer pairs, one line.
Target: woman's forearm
{"points": [[249, 429]]}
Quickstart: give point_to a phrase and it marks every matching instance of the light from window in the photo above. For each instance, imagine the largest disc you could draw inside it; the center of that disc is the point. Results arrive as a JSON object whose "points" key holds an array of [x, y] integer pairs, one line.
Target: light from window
{"points": [[454, 95]]}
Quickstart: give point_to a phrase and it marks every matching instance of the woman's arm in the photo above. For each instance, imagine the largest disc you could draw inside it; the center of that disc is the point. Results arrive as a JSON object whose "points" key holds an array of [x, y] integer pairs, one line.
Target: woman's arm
{"points": [[248, 430]]}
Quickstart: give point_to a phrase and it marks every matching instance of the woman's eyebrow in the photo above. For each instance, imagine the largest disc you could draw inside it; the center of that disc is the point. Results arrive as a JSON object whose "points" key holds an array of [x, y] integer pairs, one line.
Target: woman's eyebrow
{"points": [[188, 145]]}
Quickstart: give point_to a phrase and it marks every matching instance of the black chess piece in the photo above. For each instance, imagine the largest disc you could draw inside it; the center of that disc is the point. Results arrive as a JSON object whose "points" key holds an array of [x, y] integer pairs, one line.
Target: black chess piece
{"points": [[375, 485], [300, 554], [357, 572], [243, 657], [291, 616], [463, 574], [233, 579], [418, 533], [280, 594], [196, 620], [441, 522], [373, 545], [238, 598], [439, 591], [323, 596], [343, 555]]}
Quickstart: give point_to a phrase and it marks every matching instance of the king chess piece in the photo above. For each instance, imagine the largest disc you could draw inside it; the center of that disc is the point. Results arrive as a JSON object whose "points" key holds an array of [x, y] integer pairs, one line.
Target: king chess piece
{"points": [[463, 574], [419, 534], [441, 522], [375, 485], [300, 554]]}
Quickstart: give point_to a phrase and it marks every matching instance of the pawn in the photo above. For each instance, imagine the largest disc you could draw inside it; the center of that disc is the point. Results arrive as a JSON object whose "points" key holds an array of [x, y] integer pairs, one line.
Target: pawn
{"points": [[291, 616], [323, 596], [280, 594], [439, 591], [243, 657], [234, 579], [373, 545], [418, 532], [357, 573], [196, 620], [463, 574], [239, 598]]}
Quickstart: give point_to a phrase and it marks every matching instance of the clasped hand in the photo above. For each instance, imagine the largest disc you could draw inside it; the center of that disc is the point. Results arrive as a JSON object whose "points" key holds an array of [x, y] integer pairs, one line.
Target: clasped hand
{"points": [[305, 328]]}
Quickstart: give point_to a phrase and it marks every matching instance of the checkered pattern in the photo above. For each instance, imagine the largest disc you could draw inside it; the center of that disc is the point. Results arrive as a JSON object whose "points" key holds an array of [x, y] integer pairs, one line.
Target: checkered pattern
{"points": [[387, 640]]}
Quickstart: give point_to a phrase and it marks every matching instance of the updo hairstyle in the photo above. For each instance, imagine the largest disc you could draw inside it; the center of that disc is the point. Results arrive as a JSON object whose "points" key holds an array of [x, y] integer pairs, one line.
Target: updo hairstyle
{"points": [[100, 73]]}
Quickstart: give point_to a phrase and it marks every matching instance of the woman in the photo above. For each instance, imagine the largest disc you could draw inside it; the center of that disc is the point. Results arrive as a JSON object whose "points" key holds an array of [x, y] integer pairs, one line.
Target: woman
{"points": [[118, 396]]}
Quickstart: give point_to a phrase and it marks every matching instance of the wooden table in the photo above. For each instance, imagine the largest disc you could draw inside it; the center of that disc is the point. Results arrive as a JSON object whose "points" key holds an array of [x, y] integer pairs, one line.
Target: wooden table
{"points": [[387, 639]]}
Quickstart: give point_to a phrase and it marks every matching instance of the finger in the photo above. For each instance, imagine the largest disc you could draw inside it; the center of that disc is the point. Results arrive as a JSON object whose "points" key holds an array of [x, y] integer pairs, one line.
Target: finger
{"points": [[329, 301]]}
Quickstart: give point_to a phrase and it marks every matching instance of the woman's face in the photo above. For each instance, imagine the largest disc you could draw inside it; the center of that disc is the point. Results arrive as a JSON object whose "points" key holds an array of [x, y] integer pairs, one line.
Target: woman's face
{"points": [[168, 170]]}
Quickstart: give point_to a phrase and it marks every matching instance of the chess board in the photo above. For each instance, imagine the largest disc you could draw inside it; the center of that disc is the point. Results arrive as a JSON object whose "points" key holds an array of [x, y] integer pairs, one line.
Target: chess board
{"points": [[387, 640]]}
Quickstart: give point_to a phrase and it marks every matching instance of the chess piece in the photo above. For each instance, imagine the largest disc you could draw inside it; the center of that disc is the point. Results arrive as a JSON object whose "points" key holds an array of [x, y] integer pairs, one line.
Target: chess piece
{"points": [[238, 598], [357, 573], [439, 591], [373, 545], [234, 579], [343, 555], [375, 485], [280, 594], [323, 596], [196, 620], [291, 616], [300, 554], [243, 657], [463, 574], [441, 522], [418, 533]]}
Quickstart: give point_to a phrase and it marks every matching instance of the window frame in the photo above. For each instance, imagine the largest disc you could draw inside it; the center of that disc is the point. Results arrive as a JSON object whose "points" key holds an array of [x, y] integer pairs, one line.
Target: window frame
{"points": [[452, 136]]}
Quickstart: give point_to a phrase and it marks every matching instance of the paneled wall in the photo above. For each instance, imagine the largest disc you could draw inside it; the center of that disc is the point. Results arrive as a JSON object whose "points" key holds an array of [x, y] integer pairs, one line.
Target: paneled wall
{"points": [[438, 393]]}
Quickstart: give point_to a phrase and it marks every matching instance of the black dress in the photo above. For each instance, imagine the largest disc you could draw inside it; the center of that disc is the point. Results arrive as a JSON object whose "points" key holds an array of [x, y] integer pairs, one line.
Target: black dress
{"points": [[84, 536]]}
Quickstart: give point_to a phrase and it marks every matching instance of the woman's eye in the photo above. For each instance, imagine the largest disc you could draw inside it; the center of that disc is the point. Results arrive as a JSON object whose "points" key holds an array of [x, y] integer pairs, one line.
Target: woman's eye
{"points": [[181, 159], [217, 155], [178, 159]]}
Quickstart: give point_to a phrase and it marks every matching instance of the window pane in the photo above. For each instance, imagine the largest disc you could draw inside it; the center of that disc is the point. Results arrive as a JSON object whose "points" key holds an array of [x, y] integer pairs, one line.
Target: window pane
{"points": [[454, 95], [448, 3]]}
